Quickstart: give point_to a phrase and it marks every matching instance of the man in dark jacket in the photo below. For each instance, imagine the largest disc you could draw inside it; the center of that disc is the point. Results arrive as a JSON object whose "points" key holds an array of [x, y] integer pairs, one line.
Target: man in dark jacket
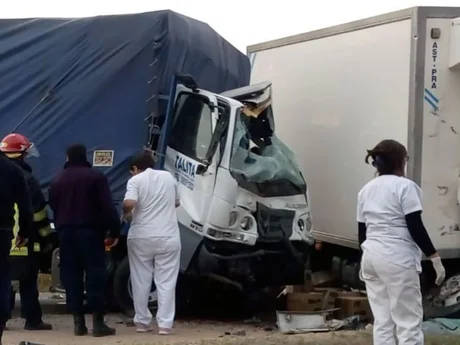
{"points": [[83, 214], [16, 147], [13, 194]]}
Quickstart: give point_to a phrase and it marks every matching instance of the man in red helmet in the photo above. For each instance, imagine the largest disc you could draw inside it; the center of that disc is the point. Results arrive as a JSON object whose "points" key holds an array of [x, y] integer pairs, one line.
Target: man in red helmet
{"points": [[17, 147], [13, 196]]}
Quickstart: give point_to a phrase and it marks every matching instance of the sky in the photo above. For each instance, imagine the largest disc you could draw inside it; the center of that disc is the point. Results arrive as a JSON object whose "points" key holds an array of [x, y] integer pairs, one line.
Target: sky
{"points": [[241, 22]]}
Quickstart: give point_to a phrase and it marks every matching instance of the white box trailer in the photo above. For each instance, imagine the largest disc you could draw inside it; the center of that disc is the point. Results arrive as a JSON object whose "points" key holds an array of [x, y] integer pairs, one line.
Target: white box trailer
{"points": [[340, 90]]}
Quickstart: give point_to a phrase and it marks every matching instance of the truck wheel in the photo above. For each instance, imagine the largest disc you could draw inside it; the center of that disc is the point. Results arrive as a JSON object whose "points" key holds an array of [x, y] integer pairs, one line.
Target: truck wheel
{"points": [[123, 292]]}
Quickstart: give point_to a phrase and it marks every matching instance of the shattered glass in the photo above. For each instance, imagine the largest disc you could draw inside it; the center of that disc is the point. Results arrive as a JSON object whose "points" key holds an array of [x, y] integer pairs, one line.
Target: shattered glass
{"points": [[265, 163]]}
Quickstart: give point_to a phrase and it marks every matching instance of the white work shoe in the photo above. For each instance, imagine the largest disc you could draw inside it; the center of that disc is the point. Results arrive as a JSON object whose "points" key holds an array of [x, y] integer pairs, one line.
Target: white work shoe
{"points": [[143, 328], [165, 331]]}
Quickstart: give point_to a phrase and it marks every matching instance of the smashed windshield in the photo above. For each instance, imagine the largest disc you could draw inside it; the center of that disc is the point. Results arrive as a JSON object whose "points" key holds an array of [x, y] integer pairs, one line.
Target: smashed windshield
{"points": [[258, 156]]}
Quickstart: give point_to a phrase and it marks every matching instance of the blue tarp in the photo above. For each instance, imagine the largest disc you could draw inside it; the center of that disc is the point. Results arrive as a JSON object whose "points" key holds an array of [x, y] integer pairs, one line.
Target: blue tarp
{"points": [[95, 81]]}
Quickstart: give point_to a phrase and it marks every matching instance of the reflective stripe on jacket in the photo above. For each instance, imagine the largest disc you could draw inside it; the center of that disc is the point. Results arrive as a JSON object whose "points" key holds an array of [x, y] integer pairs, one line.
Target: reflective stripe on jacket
{"points": [[23, 251], [42, 222], [41, 227]]}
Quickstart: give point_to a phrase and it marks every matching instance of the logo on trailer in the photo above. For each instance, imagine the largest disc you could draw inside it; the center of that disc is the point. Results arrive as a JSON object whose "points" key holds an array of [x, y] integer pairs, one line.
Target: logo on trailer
{"points": [[432, 100]]}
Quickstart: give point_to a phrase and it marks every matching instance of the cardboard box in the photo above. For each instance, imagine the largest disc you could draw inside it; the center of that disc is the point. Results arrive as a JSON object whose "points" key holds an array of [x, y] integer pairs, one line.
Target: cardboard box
{"points": [[294, 288], [44, 282], [354, 305], [350, 303], [325, 289], [304, 301], [310, 301]]}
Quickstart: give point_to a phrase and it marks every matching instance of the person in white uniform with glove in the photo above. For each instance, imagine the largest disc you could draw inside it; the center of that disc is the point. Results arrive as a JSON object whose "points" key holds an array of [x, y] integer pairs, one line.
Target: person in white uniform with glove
{"points": [[392, 237], [153, 241]]}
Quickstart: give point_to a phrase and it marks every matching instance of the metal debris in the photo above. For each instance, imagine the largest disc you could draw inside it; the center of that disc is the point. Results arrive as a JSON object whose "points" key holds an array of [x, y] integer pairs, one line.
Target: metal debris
{"points": [[290, 322], [57, 296], [442, 190]]}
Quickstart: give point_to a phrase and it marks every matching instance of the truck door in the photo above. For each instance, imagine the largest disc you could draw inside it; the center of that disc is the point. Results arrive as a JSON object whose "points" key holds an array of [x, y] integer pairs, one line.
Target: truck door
{"points": [[190, 156]]}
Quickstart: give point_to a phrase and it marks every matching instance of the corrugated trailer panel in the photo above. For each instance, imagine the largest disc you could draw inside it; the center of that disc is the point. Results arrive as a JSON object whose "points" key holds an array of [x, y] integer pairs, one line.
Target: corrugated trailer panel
{"points": [[334, 97]]}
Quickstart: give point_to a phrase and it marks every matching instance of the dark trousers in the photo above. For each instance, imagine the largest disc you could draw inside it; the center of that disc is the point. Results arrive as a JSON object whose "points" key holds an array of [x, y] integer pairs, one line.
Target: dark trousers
{"points": [[28, 290], [5, 276], [82, 251]]}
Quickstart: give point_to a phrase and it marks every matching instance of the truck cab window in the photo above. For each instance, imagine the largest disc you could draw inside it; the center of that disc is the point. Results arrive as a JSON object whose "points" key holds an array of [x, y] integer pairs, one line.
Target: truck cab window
{"points": [[192, 127]]}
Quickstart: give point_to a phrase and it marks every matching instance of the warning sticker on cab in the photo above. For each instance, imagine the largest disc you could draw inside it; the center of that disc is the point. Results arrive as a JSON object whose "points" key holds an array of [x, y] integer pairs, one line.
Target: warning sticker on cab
{"points": [[103, 158]]}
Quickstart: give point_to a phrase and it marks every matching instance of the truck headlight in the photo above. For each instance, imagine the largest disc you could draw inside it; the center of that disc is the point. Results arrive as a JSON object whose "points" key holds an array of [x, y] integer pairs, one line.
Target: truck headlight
{"points": [[246, 223], [301, 224], [304, 223], [233, 217]]}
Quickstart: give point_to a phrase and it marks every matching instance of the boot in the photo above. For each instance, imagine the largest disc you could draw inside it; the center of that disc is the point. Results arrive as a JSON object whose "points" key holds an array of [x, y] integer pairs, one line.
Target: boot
{"points": [[79, 325], [2, 328], [37, 326], [100, 329]]}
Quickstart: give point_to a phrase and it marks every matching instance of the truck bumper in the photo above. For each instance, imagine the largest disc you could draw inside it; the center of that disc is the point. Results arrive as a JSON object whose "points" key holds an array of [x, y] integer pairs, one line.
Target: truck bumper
{"points": [[265, 265]]}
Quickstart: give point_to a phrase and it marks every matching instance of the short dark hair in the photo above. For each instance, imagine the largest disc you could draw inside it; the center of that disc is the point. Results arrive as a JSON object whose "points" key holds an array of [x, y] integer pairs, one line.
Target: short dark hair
{"points": [[388, 157], [77, 153], [142, 161]]}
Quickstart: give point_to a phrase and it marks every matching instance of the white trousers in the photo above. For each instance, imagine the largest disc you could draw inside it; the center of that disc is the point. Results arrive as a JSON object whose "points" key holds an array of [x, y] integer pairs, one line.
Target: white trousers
{"points": [[157, 258], [395, 299]]}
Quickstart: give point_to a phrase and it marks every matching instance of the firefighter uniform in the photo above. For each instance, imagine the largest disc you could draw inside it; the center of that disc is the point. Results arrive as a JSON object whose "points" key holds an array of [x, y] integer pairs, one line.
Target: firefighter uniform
{"points": [[26, 259], [13, 191]]}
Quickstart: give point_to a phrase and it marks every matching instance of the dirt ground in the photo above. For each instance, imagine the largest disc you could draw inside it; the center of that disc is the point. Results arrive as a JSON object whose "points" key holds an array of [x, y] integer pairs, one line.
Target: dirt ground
{"points": [[197, 332]]}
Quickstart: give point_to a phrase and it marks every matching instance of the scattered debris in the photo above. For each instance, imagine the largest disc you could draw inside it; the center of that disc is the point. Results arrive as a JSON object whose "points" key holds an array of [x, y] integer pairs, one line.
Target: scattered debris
{"points": [[309, 308], [291, 322], [441, 326], [253, 321], [345, 303], [57, 296], [353, 323]]}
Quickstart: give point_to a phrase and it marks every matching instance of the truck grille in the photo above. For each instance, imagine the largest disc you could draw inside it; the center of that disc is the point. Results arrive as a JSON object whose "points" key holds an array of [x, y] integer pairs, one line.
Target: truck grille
{"points": [[274, 224]]}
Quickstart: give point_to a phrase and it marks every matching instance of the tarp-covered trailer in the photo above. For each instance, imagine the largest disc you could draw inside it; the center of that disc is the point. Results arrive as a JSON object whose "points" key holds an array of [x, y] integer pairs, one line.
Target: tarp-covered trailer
{"points": [[100, 81]]}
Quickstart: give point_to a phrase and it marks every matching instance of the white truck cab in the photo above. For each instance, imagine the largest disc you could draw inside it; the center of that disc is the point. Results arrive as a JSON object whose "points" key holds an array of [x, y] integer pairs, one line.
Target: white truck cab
{"points": [[244, 205]]}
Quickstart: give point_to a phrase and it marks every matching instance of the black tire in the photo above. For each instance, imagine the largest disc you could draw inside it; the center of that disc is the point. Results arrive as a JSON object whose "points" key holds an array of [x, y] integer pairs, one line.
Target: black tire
{"points": [[121, 281]]}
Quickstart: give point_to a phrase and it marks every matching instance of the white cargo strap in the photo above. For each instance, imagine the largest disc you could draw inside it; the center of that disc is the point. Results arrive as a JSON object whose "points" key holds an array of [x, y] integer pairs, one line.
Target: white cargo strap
{"points": [[23, 251]]}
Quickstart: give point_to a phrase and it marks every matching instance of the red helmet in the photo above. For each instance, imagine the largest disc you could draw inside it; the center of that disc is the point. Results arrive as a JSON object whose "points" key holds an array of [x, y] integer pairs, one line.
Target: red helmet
{"points": [[15, 145]]}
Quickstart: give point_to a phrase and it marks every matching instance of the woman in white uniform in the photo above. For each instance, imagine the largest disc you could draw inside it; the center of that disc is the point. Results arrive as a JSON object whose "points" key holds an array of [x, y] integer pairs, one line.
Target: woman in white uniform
{"points": [[392, 237], [153, 241]]}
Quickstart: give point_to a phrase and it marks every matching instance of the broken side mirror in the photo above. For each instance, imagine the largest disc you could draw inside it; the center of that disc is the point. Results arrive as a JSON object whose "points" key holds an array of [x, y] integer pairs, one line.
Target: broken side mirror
{"points": [[201, 169]]}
